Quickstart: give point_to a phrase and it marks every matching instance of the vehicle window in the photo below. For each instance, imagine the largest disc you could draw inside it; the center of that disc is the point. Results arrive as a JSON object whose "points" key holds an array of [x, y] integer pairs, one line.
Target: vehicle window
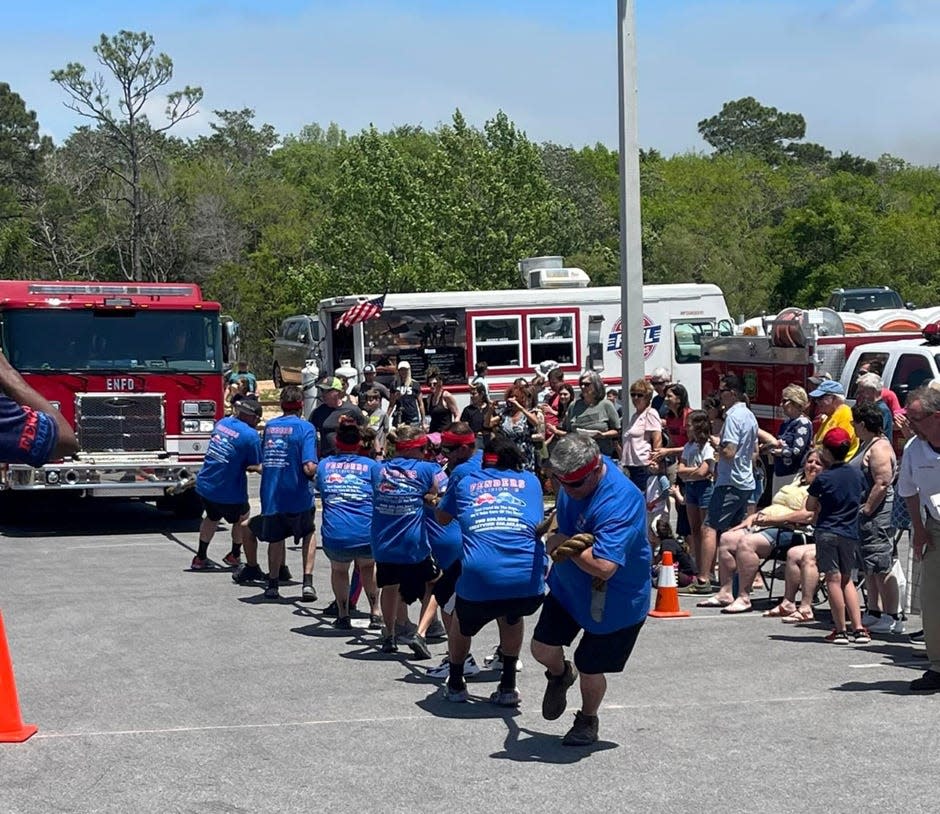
{"points": [[496, 341], [867, 363], [551, 337], [293, 329], [912, 371], [725, 327], [314, 330], [687, 339]]}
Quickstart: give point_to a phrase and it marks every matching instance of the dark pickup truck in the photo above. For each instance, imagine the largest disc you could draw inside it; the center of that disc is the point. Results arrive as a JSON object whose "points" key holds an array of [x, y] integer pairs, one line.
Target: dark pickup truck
{"points": [[865, 299]]}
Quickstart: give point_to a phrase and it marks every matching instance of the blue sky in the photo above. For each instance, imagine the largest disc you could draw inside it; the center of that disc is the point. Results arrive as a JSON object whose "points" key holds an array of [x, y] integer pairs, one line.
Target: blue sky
{"points": [[864, 73]]}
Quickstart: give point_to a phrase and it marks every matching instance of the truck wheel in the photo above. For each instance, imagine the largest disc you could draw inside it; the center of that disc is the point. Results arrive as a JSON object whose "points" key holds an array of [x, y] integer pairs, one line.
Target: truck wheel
{"points": [[276, 376]]}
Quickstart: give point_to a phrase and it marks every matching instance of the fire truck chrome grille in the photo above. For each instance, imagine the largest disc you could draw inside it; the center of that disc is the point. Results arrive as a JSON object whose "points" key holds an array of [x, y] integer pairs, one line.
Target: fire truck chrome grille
{"points": [[120, 423]]}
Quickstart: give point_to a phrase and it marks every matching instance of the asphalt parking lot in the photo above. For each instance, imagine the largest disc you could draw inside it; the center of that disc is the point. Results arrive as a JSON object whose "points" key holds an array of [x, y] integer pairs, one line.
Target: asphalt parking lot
{"points": [[156, 689]]}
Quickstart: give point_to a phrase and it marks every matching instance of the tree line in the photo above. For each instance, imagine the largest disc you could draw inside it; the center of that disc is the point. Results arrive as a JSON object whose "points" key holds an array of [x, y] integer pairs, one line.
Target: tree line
{"points": [[270, 223]]}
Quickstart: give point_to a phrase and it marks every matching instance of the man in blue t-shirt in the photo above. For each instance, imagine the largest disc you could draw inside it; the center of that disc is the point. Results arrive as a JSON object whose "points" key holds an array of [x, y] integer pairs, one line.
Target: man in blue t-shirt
{"points": [[604, 590], [288, 464], [502, 578], [32, 431], [404, 564], [222, 483], [836, 495]]}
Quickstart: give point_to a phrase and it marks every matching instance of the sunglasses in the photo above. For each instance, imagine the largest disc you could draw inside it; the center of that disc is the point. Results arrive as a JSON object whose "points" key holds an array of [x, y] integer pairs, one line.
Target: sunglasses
{"points": [[638, 395], [572, 484]]}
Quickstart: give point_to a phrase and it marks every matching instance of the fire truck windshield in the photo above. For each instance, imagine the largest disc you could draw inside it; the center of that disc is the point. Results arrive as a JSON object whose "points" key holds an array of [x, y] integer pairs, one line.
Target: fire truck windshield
{"points": [[112, 340]]}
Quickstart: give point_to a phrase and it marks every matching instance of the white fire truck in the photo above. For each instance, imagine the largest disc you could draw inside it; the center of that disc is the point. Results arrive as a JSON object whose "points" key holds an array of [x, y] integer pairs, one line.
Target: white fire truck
{"points": [[559, 318]]}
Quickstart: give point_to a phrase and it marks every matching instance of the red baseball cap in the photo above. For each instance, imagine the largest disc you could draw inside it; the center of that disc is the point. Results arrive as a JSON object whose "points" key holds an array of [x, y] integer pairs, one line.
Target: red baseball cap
{"points": [[836, 437]]}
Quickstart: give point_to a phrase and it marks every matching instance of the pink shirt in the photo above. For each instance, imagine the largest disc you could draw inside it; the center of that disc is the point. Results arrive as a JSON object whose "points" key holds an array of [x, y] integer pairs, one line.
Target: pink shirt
{"points": [[637, 440]]}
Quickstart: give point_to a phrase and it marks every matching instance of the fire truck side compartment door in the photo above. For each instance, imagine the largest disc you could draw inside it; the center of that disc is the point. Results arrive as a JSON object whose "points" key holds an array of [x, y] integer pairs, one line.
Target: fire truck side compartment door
{"points": [[595, 345]]}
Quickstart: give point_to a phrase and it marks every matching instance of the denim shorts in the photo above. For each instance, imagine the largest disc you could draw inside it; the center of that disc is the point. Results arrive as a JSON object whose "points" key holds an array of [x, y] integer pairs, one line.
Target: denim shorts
{"points": [[698, 492], [726, 507], [347, 555]]}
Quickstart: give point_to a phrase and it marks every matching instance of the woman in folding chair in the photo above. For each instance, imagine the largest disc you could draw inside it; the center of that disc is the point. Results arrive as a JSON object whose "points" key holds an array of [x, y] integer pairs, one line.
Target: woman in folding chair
{"points": [[768, 531]]}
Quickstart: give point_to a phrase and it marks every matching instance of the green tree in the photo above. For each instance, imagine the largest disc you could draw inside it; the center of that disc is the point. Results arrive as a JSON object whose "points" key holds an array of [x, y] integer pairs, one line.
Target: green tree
{"points": [[747, 126], [139, 73]]}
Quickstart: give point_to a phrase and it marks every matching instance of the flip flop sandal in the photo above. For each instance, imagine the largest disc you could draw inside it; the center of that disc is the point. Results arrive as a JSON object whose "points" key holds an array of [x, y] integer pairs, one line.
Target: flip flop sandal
{"points": [[778, 611], [798, 617], [713, 602], [731, 609]]}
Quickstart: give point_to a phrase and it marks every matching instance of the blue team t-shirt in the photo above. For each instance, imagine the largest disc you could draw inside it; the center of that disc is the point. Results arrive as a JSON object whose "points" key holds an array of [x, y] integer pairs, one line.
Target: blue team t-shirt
{"points": [[399, 532], [445, 541], [289, 443], [616, 515], [233, 447], [344, 482], [839, 491], [26, 435], [498, 511]]}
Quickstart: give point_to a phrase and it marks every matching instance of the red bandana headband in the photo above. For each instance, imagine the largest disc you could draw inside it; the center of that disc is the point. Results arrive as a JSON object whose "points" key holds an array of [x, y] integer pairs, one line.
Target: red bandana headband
{"points": [[343, 446], [414, 443], [580, 473], [291, 406], [490, 460], [456, 439]]}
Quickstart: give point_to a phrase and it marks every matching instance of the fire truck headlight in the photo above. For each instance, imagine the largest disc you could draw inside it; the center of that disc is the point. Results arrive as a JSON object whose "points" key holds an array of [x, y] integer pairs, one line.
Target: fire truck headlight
{"points": [[191, 425], [196, 408], [206, 426]]}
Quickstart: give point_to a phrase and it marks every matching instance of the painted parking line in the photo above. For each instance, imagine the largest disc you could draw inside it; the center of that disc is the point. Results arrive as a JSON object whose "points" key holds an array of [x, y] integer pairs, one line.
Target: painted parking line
{"points": [[114, 733]]}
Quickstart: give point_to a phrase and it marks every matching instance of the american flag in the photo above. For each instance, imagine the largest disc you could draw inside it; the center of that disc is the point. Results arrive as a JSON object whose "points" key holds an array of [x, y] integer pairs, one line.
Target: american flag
{"points": [[361, 312]]}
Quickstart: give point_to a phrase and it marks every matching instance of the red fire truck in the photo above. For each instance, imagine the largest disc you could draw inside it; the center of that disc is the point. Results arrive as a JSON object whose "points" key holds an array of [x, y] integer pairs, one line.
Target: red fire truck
{"points": [[136, 368], [800, 344]]}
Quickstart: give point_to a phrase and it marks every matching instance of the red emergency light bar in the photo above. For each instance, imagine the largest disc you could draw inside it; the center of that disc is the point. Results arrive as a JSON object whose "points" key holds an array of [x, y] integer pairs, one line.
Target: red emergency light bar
{"points": [[931, 333], [110, 290]]}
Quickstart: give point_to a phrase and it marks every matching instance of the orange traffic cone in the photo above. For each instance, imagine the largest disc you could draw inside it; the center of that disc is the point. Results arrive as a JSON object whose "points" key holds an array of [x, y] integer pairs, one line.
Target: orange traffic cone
{"points": [[667, 592], [12, 728]]}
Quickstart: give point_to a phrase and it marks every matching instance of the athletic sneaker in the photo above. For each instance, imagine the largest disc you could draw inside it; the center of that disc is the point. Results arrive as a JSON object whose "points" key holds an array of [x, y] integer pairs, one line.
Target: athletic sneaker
{"points": [[248, 573], [389, 645], [470, 668], [406, 632], [231, 560], [331, 610], [506, 698], [555, 699], [870, 620], [882, 624], [343, 623], [271, 593], [584, 731], [917, 637], [199, 564], [862, 635], [375, 621], [420, 647], [460, 696], [494, 661], [839, 637], [436, 631], [284, 575], [898, 627], [309, 594]]}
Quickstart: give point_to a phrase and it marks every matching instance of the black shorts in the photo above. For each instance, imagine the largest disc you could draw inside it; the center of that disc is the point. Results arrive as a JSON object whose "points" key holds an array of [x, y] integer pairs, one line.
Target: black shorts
{"points": [[596, 652], [229, 512], [412, 578], [445, 586], [274, 528], [474, 616]]}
